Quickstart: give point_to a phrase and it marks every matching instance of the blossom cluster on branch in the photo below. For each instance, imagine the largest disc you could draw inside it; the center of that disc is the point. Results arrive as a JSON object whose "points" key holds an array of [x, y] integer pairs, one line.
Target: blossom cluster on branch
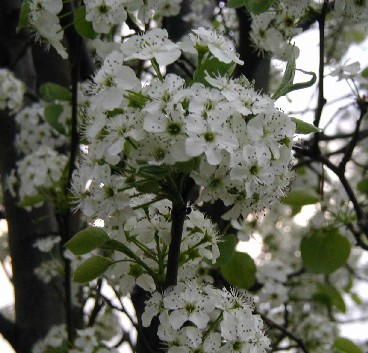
{"points": [[153, 146]]}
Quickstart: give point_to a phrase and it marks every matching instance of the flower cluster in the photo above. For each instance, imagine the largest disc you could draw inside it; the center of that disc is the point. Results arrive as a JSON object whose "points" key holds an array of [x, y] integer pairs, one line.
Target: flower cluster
{"points": [[43, 19], [271, 31], [38, 171], [354, 11], [36, 131], [241, 141], [202, 318], [11, 91], [105, 14], [86, 342], [147, 234]]}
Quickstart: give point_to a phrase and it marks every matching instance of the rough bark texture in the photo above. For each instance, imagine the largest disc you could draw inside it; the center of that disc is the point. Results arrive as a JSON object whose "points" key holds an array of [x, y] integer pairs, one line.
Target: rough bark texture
{"points": [[255, 66], [38, 306]]}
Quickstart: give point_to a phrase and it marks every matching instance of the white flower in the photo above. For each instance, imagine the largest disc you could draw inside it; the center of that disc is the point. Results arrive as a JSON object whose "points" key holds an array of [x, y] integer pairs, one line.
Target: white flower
{"points": [[104, 14], [209, 136], [164, 93], [197, 343], [40, 169], [214, 179], [44, 20], [55, 338], [122, 127], [243, 229], [46, 244], [189, 303], [152, 45], [153, 306], [167, 8], [112, 80], [346, 70], [47, 270], [35, 131], [254, 168], [271, 128], [218, 45], [11, 91]]}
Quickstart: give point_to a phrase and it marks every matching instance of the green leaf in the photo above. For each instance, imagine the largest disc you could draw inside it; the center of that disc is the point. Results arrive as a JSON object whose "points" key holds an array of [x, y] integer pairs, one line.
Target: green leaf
{"points": [[240, 271], [236, 3], [92, 268], [51, 91], [328, 295], [325, 250], [344, 345], [362, 186], [288, 77], [188, 166], [214, 67], [364, 73], [82, 26], [28, 201], [356, 298], [87, 240], [287, 84], [304, 128], [300, 198], [227, 249], [149, 187], [258, 6], [154, 172], [23, 16], [53, 112], [136, 99]]}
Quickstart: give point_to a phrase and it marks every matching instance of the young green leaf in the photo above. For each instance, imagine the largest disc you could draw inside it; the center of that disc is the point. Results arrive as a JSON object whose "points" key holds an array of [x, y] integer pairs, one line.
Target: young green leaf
{"points": [[240, 271], [258, 6], [51, 91], [82, 26], [287, 84], [149, 187], [344, 345], [288, 77], [300, 198], [92, 268], [213, 67], [87, 240], [53, 112], [236, 3], [328, 295], [188, 166], [23, 17], [154, 172], [362, 186], [31, 200], [356, 298], [304, 128], [227, 249], [325, 250], [364, 73]]}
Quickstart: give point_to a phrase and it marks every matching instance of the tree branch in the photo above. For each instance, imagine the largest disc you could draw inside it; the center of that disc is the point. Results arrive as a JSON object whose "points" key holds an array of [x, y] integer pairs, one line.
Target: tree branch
{"points": [[321, 99], [285, 331], [178, 214], [8, 329], [361, 216], [354, 140]]}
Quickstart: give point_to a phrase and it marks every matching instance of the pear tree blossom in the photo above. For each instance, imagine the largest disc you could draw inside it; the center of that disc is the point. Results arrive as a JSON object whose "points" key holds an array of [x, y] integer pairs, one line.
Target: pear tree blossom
{"points": [[168, 158], [11, 91]]}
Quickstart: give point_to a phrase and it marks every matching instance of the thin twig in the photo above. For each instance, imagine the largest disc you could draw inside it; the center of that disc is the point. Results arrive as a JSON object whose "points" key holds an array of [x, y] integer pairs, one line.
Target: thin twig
{"points": [[284, 330]]}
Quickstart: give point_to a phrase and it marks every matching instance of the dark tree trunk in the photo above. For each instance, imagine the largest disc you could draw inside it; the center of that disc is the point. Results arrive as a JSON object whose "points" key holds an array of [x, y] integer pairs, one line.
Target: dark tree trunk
{"points": [[38, 306]]}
